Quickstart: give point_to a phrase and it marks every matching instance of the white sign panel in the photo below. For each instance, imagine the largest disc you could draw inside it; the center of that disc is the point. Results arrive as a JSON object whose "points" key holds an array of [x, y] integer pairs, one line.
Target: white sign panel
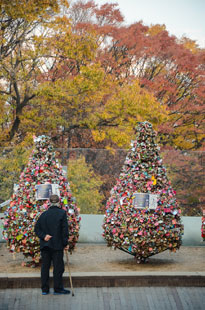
{"points": [[145, 200], [43, 191]]}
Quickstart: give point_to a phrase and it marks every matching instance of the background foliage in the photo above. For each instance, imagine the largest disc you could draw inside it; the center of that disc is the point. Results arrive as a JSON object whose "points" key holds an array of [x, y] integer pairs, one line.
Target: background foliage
{"points": [[75, 71], [85, 185]]}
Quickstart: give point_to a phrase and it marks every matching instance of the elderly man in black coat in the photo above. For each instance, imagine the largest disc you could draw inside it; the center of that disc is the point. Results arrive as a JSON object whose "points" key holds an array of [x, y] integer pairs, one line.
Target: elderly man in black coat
{"points": [[52, 229]]}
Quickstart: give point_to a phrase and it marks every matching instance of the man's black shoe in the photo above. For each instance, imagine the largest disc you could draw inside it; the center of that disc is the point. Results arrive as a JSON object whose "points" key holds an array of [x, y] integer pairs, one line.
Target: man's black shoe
{"points": [[62, 292]]}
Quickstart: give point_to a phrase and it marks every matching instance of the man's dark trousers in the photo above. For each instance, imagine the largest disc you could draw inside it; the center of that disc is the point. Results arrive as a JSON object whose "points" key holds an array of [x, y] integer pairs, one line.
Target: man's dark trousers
{"points": [[54, 223], [56, 256]]}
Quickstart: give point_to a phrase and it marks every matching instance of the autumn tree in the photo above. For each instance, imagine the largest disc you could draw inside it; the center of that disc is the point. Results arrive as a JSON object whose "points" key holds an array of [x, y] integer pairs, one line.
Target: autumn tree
{"points": [[171, 69], [79, 71], [76, 91], [53, 78], [53, 83], [49, 48], [23, 27], [91, 100], [18, 19]]}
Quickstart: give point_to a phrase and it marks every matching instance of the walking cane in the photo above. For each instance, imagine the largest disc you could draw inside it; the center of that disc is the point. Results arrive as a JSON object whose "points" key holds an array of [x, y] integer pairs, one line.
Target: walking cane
{"points": [[71, 283]]}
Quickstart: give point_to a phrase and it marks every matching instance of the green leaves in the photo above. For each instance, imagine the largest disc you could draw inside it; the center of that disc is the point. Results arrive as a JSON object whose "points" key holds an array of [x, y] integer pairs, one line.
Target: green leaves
{"points": [[85, 185], [11, 165]]}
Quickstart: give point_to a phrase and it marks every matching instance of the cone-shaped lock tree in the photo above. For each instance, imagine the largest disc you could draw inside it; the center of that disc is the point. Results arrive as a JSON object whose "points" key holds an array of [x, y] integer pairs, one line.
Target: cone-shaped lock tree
{"points": [[42, 175], [142, 215]]}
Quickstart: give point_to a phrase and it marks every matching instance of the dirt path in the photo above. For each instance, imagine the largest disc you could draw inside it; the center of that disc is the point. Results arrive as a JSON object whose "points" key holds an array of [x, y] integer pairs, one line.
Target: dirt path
{"points": [[99, 258]]}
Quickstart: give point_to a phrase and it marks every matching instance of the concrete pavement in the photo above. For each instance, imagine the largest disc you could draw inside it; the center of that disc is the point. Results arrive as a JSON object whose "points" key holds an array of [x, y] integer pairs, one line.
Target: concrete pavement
{"points": [[118, 298], [104, 279], [98, 266]]}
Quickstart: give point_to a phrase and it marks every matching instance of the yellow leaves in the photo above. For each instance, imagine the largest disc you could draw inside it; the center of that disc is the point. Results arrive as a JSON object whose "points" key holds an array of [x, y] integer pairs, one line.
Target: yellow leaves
{"points": [[98, 135], [15, 158], [11, 164], [93, 100], [155, 29], [184, 134], [70, 45], [75, 89], [184, 138], [29, 9], [125, 106], [78, 99], [90, 81], [85, 185], [120, 135], [133, 104], [182, 143], [190, 45]]}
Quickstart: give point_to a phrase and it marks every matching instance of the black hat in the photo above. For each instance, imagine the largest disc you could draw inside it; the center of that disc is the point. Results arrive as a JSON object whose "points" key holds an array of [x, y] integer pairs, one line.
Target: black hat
{"points": [[54, 199]]}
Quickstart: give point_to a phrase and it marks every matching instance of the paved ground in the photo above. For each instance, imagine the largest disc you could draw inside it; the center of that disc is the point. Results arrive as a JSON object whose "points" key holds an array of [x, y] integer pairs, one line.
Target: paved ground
{"points": [[100, 258], [144, 298]]}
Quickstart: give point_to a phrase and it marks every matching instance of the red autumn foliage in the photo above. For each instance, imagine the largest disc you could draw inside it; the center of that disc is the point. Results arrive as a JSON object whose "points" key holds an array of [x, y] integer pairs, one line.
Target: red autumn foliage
{"points": [[162, 63]]}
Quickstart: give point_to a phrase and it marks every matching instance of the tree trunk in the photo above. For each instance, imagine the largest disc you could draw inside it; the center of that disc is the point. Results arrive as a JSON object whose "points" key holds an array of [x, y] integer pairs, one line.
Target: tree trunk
{"points": [[14, 128]]}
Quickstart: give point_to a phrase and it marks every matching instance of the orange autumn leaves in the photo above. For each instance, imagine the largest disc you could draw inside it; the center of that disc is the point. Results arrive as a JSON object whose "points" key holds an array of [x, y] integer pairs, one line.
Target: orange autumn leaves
{"points": [[83, 68]]}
